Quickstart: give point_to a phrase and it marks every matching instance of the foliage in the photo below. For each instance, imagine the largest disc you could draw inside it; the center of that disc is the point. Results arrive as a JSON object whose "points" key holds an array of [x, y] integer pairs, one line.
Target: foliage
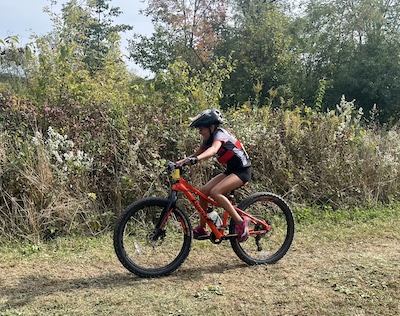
{"points": [[13, 60], [189, 30], [188, 90], [262, 45], [328, 217], [351, 45], [91, 28], [41, 186], [71, 175], [286, 47], [81, 138], [320, 158], [80, 60]]}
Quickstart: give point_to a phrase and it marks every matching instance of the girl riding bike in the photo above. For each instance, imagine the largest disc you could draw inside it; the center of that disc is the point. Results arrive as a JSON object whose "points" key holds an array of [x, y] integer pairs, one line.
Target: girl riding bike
{"points": [[229, 151], [153, 235]]}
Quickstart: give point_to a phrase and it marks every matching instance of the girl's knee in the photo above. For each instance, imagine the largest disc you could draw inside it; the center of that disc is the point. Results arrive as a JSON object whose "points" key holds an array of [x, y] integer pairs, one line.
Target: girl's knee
{"points": [[214, 193], [205, 190]]}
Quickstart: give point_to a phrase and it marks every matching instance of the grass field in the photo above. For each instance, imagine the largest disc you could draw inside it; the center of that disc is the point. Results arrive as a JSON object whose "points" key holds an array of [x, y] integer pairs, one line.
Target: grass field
{"points": [[347, 269]]}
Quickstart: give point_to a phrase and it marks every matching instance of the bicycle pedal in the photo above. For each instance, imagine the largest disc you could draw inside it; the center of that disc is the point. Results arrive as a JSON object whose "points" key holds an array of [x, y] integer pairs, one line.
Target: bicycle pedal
{"points": [[230, 236], [202, 237]]}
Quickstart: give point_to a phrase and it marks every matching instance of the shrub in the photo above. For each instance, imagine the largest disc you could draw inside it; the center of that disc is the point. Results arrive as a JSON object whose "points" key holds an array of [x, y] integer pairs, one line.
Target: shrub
{"points": [[71, 166], [327, 158]]}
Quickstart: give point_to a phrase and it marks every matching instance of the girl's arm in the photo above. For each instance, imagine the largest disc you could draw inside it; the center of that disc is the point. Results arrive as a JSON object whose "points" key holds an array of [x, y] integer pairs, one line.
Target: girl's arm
{"points": [[204, 154], [198, 152], [209, 152]]}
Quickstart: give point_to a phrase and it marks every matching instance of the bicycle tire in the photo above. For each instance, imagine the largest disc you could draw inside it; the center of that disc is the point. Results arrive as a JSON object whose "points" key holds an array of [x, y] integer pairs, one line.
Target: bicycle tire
{"points": [[273, 245], [139, 251]]}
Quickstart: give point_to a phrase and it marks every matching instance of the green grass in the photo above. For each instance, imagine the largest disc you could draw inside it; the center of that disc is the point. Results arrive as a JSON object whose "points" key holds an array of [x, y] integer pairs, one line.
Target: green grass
{"points": [[345, 264]]}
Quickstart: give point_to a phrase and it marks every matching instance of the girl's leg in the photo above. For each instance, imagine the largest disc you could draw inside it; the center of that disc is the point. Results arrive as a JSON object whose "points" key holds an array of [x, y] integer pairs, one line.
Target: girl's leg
{"points": [[230, 183], [206, 189], [225, 185], [216, 188]]}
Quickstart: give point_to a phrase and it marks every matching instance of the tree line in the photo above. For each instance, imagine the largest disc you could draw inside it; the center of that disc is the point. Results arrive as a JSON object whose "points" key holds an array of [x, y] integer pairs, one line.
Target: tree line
{"points": [[287, 52], [283, 52]]}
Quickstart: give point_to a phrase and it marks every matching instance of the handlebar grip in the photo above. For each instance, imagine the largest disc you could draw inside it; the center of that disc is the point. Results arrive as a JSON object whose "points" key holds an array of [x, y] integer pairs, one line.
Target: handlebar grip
{"points": [[171, 166]]}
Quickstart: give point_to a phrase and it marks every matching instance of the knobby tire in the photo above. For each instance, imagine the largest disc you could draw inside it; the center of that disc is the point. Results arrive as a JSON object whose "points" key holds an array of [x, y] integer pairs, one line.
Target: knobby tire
{"points": [[273, 245], [146, 256]]}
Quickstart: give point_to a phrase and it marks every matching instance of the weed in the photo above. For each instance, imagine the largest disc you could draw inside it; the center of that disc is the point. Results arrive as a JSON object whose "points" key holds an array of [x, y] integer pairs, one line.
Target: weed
{"points": [[72, 168]]}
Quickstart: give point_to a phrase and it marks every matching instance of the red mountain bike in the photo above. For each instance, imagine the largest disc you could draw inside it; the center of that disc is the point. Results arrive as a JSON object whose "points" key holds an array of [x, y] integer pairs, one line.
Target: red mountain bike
{"points": [[153, 236]]}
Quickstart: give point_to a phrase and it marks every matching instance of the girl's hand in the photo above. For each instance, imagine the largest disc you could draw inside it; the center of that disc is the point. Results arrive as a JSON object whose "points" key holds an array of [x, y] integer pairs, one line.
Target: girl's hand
{"points": [[190, 161], [180, 162]]}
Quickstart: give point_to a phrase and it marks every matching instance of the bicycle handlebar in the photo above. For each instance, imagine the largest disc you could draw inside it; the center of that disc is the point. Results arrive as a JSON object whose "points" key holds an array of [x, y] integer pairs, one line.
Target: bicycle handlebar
{"points": [[171, 166]]}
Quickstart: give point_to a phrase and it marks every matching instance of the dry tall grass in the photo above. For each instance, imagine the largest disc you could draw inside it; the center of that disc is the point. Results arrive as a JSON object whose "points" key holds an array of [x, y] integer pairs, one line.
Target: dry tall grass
{"points": [[72, 169]]}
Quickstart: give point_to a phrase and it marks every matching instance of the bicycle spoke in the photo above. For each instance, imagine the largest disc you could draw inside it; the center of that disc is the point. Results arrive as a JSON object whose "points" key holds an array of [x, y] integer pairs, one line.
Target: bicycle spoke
{"points": [[266, 245], [149, 252]]}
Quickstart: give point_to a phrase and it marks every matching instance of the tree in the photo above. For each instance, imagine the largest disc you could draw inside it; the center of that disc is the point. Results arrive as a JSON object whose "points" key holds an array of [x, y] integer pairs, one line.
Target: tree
{"points": [[80, 53], [254, 32], [187, 29], [13, 61], [91, 28], [262, 45], [351, 44]]}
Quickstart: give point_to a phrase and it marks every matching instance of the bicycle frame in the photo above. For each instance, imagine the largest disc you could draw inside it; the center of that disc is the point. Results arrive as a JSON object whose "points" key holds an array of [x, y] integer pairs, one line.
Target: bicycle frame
{"points": [[181, 185]]}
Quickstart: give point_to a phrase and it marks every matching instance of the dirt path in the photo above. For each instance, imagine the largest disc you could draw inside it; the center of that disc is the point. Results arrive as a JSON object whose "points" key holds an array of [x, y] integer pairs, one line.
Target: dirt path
{"points": [[357, 277]]}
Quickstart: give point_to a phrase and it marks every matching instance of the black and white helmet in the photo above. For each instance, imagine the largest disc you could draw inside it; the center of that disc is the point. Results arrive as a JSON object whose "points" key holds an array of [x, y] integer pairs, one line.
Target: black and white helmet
{"points": [[207, 118]]}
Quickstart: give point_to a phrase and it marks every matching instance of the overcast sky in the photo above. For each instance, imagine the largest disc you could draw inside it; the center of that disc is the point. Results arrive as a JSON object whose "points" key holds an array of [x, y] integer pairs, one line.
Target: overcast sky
{"points": [[24, 17]]}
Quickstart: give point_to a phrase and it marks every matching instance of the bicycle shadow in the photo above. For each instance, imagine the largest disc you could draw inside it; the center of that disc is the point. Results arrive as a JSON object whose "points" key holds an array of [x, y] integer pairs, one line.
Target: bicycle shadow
{"points": [[198, 271], [27, 288], [30, 287]]}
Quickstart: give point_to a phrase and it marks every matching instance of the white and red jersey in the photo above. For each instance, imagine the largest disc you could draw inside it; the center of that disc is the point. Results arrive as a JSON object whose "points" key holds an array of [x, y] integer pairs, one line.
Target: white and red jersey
{"points": [[231, 153]]}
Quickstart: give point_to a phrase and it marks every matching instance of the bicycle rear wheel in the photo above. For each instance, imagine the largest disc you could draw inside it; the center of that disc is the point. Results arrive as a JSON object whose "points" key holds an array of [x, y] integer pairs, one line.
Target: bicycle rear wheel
{"points": [[144, 251], [265, 246]]}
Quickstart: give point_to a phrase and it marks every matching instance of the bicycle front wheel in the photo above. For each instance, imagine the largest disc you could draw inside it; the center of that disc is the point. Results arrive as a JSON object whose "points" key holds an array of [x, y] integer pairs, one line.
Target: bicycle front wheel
{"points": [[265, 246], [145, 251]]}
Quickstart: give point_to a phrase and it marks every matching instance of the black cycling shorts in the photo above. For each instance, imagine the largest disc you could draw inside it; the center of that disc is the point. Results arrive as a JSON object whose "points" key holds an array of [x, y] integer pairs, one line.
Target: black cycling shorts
{"points": [[244, 174]]}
